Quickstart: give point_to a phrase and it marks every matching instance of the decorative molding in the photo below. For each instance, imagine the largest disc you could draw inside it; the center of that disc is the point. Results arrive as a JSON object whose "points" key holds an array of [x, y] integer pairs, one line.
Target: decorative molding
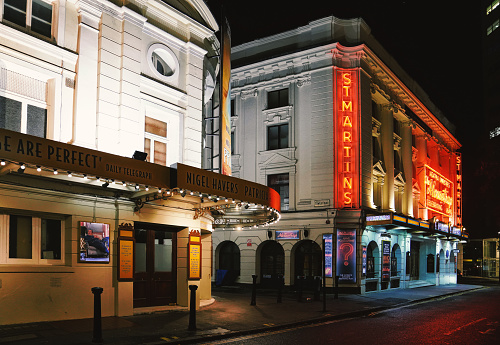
{"points": [[244, 94], [376, 125], [397, 141], [304, 80], [414, 154], [284, 114]]}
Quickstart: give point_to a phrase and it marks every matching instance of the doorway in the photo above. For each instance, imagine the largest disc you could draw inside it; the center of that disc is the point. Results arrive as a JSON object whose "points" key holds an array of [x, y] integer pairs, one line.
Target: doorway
{"points": [[308, 263], [272, 264], [155, 270], [414, 260]]}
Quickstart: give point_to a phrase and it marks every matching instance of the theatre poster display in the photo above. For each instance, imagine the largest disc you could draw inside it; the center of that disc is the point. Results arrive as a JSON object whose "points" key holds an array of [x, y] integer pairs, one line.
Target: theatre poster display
{"points": [[94, 242], [346, 255]]}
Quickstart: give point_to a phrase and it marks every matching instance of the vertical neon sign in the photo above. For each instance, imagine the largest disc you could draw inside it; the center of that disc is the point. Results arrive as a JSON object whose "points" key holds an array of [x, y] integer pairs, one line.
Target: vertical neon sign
{"points": [[346, 137], [459, 190]]}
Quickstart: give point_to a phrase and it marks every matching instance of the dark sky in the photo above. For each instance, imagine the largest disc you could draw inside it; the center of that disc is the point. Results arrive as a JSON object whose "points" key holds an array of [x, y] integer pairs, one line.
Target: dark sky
{"points": [[438, 43]]}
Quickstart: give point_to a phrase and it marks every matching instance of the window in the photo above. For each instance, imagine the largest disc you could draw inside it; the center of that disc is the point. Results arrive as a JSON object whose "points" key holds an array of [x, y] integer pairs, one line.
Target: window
{"points": [[163, 62], [233, 142], [493, 27], [34, 15], [278, 98], [280, 183], [277, 137], [23, 117], [32, 240], [491, 7], [155, 142]]}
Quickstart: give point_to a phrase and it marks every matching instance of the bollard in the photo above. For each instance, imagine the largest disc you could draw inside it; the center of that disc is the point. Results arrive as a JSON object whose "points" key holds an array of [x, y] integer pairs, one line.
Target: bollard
{"points": [[336, 288], [281, 282], [254, 290], [192, 308], [97, 336], [317, 288]]}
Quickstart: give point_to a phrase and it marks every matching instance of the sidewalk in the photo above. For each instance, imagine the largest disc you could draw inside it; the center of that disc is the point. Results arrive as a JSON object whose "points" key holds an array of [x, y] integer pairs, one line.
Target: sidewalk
{"points": [[228, 313]]}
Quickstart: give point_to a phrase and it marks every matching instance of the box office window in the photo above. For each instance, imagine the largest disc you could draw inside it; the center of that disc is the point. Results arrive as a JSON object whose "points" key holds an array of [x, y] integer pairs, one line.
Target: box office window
{"points": [[32, 240]]}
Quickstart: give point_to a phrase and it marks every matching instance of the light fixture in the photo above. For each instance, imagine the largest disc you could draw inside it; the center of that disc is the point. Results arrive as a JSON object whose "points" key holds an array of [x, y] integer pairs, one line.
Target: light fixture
{"points": [[105, 184], [55, 172], [141, 156], [84, 176], [23, 166], [124, 183], [136, 187], [3, 162], [147, 188], [38, 168], [70, 174], [159, 190], [247, 206], [183, 194]]}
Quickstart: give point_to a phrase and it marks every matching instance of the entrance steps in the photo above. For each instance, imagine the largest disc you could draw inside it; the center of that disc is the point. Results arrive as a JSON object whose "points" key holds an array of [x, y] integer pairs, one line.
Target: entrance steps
{"points": [[419, 283]]}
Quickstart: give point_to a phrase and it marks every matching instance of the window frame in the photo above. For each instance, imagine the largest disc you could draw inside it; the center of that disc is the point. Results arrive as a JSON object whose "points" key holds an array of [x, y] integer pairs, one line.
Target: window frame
{"points": [[279, 126], [36, 242], [282, 198], [25, 102], [282, 100], [155, 138], [29, 19]]}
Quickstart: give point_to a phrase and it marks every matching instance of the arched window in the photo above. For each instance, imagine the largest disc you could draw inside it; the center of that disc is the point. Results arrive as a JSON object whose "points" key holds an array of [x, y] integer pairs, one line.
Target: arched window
{"points": [[272, 260]]}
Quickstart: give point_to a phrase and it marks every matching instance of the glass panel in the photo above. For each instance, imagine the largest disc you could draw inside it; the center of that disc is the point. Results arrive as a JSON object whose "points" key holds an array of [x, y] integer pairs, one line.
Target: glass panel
{"points": [[160, 153], [147, 148], [163, 252], [272, 99], [41, 19], [51, 239], [10, 114], [156, 127], [20, 237], [37, 121], [272, 138], [140, 250], [15, 11], [283, 136]]}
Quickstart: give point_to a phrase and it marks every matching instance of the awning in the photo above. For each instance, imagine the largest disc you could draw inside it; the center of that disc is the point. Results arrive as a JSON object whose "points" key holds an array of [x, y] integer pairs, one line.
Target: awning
{"points": [[230, 201]]}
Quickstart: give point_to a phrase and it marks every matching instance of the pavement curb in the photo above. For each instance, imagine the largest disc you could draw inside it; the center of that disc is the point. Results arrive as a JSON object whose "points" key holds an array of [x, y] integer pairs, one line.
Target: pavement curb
{"points": [[359, 313]]}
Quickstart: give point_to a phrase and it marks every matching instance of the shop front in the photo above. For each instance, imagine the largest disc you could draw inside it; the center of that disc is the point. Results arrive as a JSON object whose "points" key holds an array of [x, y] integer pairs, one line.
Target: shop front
{"points": [[73, 218]]}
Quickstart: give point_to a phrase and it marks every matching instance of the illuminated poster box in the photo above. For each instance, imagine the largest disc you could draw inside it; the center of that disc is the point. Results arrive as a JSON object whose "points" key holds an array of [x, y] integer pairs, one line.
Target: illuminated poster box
{"points": [[94, 242], [287, 235], [346, 255]]}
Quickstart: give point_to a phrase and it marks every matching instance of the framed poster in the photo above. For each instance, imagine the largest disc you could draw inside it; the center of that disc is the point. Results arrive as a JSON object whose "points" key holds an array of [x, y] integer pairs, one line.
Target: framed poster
{"points": [[346, 255], [386, 261], [328, 238], [94, 242], [126, 247], [194, 253]]}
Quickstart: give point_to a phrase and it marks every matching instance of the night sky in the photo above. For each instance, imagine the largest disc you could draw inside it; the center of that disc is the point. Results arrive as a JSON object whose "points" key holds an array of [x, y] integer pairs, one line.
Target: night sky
{"points": [[438, 43]]}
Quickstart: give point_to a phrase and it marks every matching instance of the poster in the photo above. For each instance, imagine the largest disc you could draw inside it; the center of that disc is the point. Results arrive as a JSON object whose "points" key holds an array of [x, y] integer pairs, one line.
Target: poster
{"points": [[386, 261], [125, 259], [363, 250], [346, 255], [94, 242], [194, 259], [328, 238]]}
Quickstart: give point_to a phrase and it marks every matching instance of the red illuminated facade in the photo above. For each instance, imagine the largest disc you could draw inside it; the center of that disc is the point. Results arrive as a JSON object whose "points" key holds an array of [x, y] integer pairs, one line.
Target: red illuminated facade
{"points": [[359, 155]]}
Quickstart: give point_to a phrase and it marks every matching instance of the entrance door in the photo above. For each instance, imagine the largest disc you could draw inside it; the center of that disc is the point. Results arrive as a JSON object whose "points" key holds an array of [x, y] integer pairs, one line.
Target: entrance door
{"points": [[308, 263], [414, 260], [155, 268]]}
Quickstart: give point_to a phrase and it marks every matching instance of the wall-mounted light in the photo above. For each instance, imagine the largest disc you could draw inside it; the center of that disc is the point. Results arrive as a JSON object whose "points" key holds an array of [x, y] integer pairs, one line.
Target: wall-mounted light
{"points": [[70, 174], [124, 183], [84, 176], [38, 168], [105, 184], [2, 162], [55, 172], [23, 166], [136, 187]]}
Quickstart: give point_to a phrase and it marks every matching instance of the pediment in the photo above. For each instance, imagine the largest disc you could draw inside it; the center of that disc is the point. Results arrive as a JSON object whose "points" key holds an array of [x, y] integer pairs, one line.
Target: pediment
{"points": [[277, 158], [399, 179], [378, 169], [415, 186]]}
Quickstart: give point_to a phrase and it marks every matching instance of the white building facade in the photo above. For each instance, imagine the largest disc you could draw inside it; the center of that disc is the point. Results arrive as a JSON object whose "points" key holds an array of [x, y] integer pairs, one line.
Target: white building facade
{"points": [[326, 117], [84, 85]]}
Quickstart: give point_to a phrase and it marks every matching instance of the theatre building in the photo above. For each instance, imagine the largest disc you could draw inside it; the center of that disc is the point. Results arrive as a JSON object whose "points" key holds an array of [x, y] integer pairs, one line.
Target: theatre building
{"points": [[101, 107], [359, 155]]}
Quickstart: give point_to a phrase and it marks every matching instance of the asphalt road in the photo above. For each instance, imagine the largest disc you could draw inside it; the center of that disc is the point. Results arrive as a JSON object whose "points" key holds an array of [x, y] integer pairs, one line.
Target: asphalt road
{"points": [[469, 318]]}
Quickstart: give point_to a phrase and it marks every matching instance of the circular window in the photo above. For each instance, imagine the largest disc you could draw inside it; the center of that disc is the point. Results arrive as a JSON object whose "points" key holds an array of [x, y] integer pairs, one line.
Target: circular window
{"points": [[162, 61]]}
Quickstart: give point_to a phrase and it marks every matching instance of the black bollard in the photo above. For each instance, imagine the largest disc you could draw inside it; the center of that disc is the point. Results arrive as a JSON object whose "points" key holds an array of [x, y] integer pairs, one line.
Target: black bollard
{"points": [[281, 282], [254, 290], [336, 288], [192, 308], [97, 336], [317, 288]]}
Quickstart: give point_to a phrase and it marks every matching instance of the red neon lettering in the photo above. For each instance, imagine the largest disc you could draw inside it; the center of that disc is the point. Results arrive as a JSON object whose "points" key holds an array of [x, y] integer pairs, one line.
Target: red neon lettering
{"points": [[347, 198], [347, 151], [347, 137], [346, 105], [347, 122], [348, 182]]}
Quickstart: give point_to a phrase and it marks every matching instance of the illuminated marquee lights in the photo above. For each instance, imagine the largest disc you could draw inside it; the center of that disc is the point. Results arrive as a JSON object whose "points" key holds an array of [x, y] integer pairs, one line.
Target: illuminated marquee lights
{"points": [[438, 192], [459, 190], [346, 137]]}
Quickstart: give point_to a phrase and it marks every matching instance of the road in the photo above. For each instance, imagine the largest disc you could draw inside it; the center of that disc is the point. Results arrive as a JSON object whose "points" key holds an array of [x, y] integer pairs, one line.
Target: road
{"points": [[469, 318]]}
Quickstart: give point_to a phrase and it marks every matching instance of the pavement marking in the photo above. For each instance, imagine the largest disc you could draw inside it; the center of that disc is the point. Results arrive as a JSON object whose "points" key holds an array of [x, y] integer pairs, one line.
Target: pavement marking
{"points": [[469, 324]]}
